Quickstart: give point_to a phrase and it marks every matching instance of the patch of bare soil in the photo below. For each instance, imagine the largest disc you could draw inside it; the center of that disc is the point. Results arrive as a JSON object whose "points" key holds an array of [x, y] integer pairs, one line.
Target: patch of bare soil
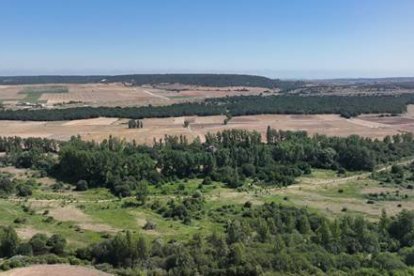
{"points": [[27, 232], [54, 270], [92, 122], [69, 213]]}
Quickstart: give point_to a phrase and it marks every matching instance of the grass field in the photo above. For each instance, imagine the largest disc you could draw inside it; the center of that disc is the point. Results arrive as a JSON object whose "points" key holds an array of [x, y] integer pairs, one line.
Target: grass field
{"points": [[34, 93], [87, 217]]}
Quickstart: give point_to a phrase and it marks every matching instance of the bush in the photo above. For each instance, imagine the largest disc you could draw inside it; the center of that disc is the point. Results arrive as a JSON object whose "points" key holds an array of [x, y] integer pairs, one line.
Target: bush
{"points": [[38, 243], [24, 190], [149, 225], [197, 194], [81, 185], [57, 244], [25, 249], [207, 181], [20, 220]]}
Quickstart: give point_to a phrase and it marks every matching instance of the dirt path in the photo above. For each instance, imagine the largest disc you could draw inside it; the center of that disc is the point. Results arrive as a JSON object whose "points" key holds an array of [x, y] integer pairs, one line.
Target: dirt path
{"points": [[56, 269], [347, 179], [18, 199], [155, 95]]}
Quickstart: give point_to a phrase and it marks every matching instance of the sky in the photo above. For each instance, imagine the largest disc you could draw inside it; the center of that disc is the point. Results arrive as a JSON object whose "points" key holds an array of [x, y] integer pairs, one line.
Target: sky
{"points": [[279, 39]]}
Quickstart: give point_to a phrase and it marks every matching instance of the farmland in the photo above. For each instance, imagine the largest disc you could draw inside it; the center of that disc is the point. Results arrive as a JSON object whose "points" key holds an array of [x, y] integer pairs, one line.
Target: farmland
{"points": [[101, 128], [114, 94]]}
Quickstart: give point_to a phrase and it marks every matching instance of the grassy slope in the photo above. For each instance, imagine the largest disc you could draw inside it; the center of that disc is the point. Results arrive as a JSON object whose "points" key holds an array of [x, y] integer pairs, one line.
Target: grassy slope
{"points": [[318, 192]]}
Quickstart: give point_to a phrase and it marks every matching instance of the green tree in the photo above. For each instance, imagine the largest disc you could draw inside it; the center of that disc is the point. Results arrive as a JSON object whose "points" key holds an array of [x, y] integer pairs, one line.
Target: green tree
{"points": [[323, 234], [384, 222], [9, 241], [39, 244], [237, 254], [6, 185], [57, 244], [263, 230], [142, 191], [279, 243], [143, 248], [304, 225], [235, 232]]}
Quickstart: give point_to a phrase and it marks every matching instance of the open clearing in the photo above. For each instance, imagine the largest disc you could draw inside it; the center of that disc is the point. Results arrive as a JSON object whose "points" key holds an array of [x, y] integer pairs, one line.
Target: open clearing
{"points": [[73, 214], [57, 269], [101, 128]]}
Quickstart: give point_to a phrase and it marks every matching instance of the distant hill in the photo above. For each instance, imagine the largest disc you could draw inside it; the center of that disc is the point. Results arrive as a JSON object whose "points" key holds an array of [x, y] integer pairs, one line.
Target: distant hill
{"points": [[366, 81], [219, 80]]}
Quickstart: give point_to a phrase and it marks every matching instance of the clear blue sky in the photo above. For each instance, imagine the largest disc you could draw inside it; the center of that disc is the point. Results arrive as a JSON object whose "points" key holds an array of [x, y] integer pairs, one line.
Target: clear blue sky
{"points": [[287, 39]]}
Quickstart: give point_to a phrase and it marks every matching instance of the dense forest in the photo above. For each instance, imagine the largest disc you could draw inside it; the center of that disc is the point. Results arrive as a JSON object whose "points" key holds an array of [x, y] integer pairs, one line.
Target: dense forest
{"points": [[218, 80], [346, 106], [254, 239]]}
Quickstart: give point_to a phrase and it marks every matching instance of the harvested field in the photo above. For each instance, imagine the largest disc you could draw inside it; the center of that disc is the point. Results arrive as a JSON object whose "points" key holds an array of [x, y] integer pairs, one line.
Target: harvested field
{"points": [[56, 269], [103, 95], [182, 92], [9, 92], [101, 128], [92, 122], [114, 94], [397, 120]]}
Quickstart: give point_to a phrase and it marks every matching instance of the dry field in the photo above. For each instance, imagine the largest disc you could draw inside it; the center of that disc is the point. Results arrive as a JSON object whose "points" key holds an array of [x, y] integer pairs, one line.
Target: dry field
{"points": [[101, 128], [180, 92], [117, 94], [10, 94]]}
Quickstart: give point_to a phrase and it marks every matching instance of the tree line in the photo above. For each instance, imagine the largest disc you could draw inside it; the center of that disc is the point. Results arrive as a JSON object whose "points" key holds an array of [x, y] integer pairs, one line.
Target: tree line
{"points": [[215, 80], [346, 106], [230, 156]]}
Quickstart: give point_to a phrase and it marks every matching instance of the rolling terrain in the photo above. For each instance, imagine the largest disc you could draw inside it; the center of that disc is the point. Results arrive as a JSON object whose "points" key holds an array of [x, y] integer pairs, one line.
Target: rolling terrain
{"points": [[256, 171]]}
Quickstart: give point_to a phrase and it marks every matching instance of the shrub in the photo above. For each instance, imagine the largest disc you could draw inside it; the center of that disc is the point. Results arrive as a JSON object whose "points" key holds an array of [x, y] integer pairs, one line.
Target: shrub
{"points": [[25, 249], [207, 181], [38, 243], [57, 244], [149, 225], [81, 185], [20, 220], [24, 190]]}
